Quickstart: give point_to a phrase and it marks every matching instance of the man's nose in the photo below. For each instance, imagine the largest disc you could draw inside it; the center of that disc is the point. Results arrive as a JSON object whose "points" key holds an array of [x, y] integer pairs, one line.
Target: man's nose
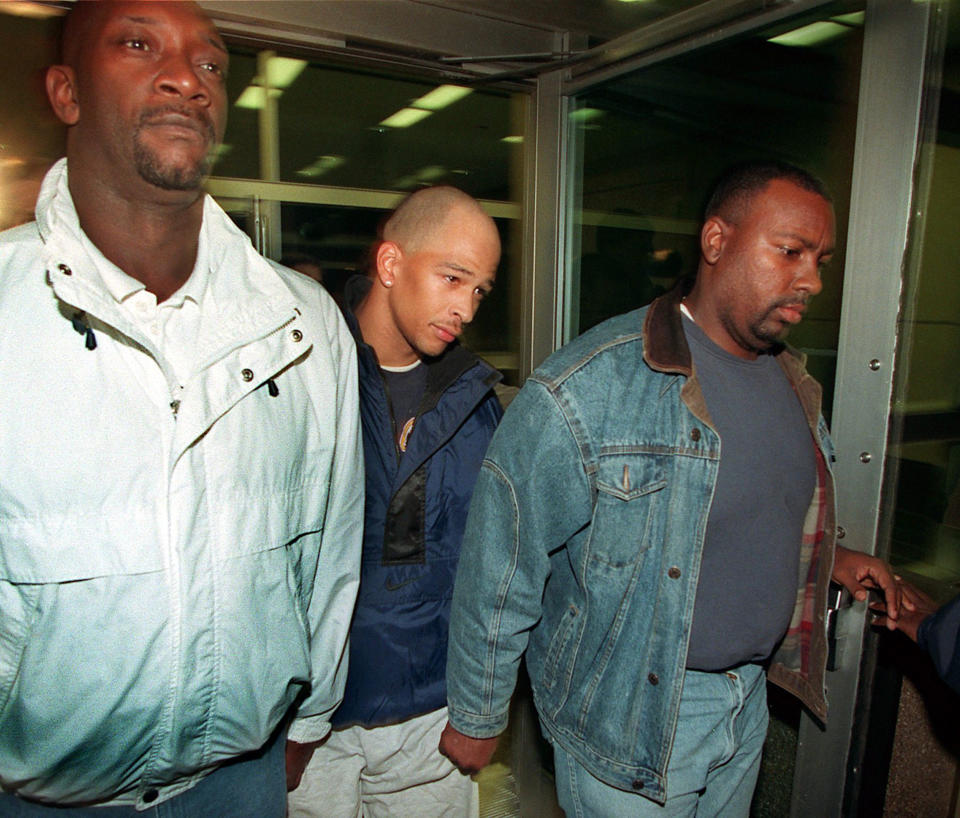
{"points": [[809, 280], [465, 307], [180, 77]]}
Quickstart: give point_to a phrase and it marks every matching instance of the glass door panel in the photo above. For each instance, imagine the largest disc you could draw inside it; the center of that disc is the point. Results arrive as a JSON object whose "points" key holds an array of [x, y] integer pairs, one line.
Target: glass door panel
{"points": [[925, 457], [650, 144]]}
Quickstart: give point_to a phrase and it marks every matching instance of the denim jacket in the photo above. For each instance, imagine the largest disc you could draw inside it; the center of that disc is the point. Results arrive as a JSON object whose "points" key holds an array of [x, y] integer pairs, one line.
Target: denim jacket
{"points": [[583, 549]]}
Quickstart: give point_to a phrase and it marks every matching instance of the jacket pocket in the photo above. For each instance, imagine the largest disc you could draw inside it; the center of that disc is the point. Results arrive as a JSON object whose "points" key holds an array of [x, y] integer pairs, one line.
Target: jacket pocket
{"points": [[19, 604], [558, 646], [629, 488], [76, 544]]}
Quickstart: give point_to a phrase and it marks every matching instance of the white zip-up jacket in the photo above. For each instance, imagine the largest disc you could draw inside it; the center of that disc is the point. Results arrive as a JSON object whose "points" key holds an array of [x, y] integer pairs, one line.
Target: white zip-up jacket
{"points": [[178, 561]]}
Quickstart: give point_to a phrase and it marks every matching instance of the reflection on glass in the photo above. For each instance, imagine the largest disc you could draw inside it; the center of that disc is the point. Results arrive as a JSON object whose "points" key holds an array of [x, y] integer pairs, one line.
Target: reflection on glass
{"points": [[925, 457], [356, 128], [31, 138], [653, 141], [342, 127]]}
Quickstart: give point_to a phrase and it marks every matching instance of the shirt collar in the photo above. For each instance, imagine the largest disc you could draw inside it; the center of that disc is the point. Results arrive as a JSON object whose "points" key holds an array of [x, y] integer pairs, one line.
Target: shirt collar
{"points": [[121, 286]]}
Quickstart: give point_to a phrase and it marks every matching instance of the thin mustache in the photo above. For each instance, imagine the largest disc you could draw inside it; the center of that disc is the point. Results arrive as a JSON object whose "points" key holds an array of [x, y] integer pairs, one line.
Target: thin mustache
{"points": [[791, 301], [199, 116]]}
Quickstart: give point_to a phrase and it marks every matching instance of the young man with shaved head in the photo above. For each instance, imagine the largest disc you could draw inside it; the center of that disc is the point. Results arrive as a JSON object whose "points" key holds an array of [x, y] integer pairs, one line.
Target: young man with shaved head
{"points": [[181, 487], [428, 411], [654, 528]]}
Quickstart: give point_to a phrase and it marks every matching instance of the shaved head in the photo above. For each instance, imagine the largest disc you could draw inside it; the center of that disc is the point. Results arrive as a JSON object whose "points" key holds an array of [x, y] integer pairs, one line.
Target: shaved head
{"points": [[141, 85], [435, 261], [84, 16], [425, 212]]}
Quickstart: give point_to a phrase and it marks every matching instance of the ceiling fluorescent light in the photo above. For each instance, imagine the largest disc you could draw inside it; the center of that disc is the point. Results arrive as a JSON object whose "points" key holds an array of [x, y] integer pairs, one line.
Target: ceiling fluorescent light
{"points": [[855, 18], [512, 140], [431, 173], [282, 71], [586, 114], [423, 176], [441, 97], [813, 34], [38, 11], [253, 97], [405, 117], [323, 165]]}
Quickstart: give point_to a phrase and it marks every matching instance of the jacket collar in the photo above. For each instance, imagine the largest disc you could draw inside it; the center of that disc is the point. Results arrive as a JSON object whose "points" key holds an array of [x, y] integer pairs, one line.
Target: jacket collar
{"points": [[245, 297], [442, 371], [665, 347]]}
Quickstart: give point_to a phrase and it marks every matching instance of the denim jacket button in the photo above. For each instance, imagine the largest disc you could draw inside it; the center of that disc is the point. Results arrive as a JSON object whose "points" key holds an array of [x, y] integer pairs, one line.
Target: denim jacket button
{"points": [[653, 679], [673, 572], [637, 784], [694, 435]]}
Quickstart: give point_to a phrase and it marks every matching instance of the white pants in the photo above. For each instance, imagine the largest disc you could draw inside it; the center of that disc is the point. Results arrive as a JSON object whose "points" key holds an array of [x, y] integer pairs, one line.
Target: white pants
{"points": [[394, 771]]}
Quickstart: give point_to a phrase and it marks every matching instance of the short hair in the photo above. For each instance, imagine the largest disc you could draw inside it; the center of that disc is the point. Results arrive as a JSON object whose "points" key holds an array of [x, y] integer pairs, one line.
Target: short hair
{"points": [[424, 211], [737, 186]]}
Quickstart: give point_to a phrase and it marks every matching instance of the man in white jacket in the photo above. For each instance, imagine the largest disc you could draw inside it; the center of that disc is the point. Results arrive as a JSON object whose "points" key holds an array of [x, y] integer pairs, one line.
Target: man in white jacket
{"points": [[181, 487]]}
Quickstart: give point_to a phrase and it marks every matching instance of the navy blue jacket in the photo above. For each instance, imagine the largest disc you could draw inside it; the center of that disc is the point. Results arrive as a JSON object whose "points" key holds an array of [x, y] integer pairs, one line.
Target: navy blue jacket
{"points": [[939, 635], [416, 509]]}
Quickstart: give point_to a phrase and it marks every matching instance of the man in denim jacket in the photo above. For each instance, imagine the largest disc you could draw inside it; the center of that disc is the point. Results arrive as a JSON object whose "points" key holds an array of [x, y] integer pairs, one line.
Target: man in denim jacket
{"points": [[652, 578]]}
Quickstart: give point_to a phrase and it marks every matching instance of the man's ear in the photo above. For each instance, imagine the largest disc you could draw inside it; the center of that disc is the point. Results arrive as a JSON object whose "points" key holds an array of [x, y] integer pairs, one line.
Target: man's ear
{"points": [[62, 93], [389, 257], [713, 238]]}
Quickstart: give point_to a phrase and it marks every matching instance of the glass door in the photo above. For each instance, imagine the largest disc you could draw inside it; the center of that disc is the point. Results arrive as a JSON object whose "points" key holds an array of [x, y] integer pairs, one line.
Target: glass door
{"points": [[907, 725]]}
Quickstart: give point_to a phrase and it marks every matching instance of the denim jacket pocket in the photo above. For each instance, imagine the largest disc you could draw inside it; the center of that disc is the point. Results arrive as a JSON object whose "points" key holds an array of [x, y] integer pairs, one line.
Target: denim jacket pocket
{"points": [[628, 489], [568, 623]]}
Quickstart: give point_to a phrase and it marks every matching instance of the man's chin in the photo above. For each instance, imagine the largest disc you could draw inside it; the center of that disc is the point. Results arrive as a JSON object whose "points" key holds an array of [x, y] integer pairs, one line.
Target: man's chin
{"points": [[431, 350], [186, 174], [772, 331], [174, 178]]}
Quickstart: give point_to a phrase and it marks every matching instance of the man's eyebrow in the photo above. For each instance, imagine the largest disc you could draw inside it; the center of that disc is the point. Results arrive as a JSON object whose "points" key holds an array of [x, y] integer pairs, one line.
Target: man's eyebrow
{"points": [[218, 44], [127, 19], [804, 240], [451, 265], [213, 40]]}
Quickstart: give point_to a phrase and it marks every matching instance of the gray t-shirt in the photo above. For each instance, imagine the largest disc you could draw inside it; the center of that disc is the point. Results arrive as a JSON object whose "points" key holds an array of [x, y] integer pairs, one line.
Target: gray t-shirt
{"points": [[748, 573]]}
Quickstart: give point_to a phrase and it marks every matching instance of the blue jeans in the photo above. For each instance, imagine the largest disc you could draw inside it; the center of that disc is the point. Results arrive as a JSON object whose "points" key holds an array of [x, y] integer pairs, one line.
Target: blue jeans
{"points": [[714, 762], [253, 786]]}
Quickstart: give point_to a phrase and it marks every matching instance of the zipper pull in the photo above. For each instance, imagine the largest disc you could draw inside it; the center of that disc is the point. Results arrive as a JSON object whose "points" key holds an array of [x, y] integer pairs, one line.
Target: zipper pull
{"points": [[84, 329]]}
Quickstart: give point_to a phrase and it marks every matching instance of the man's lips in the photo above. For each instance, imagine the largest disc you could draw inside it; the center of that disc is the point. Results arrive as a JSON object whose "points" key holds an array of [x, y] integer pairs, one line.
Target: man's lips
{"points": [[186, 122], [446, 334], [791, 313]]}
